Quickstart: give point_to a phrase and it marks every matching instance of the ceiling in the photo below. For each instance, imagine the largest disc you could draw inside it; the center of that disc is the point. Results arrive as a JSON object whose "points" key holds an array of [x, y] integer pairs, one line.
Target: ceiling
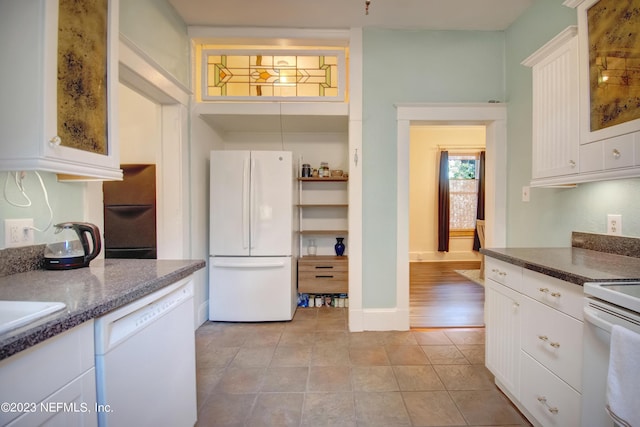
{"points": [[486, 15]]}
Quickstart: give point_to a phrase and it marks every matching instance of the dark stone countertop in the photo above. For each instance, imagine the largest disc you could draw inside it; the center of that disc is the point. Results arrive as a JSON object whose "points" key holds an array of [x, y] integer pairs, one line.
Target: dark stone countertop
{"points": [[575, 265], [87, 292]]}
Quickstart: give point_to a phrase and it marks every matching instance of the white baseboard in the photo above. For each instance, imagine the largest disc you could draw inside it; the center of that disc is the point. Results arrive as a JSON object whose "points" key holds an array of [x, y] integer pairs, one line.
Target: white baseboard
{"points": [[203, 314], [378, 319]]}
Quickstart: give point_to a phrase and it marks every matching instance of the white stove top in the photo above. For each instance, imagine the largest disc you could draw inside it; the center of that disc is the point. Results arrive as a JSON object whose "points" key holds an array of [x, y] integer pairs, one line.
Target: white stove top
{"points": [[623, 294]]}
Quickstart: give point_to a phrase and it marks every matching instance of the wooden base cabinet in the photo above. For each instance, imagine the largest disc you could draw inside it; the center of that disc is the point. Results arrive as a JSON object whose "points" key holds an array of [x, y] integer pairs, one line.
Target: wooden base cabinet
{"points": [[323, 275]]}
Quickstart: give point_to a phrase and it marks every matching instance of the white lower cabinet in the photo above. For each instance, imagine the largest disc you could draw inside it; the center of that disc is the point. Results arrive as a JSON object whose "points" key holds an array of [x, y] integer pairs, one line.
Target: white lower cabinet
{"points": [[502, 318], [549, 399], [534, 334], [52, 383]]}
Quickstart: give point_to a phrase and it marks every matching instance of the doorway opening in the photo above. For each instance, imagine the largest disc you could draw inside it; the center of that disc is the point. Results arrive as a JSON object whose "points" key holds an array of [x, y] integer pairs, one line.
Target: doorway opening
{"points": [[445, 288], [493, 118]]}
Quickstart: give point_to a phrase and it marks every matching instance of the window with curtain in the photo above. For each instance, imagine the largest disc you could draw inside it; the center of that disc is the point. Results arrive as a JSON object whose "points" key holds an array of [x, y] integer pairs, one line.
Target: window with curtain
{"points": [[463, 193]]}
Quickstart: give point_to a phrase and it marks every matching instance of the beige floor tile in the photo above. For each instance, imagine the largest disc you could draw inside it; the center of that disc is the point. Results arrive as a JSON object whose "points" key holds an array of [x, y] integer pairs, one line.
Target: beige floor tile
{"points": [[431, 338], [466, 336], [332, 324], [293, 337], [417, 378], [474, 353], [241, 380], [444, 354], [306, 325], [253, 356], [223, 409], [432, 408], [329, 378], [400, 338], [487, 407], [465, 377], [373, 378], [292, 356], [276, 409], [381, 410], [288, 378], [214, 356], [331, 338], [305, 314], [406, 355], [328, 410], [367, 339], [207, 380], [368, 356], [263, 338], [330, 356]]}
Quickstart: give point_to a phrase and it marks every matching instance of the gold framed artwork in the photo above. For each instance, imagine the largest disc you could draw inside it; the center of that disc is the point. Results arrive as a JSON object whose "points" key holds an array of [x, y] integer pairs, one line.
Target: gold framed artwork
{"points": [[610, 67]]}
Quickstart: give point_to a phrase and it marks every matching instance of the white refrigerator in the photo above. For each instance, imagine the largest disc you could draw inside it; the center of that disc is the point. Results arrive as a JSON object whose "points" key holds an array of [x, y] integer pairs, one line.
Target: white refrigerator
{"points": [[251, 273]]}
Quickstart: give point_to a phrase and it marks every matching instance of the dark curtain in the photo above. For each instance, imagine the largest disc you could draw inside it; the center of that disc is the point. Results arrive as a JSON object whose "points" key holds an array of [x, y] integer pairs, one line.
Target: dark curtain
{"points": [[480, 210], [443, 203]]}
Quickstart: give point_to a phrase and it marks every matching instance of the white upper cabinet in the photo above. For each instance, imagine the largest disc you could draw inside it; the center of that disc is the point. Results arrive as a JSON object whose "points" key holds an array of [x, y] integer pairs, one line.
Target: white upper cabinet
{"points": [[59, 115], [556, 131]]}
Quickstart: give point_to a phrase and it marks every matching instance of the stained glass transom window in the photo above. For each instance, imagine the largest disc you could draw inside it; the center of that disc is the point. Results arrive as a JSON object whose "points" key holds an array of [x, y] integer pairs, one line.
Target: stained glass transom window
{"points": [[276, 74]]}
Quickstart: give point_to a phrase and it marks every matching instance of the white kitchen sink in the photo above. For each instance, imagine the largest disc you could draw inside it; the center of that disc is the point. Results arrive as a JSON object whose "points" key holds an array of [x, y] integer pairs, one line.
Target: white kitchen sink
{"points": [[14, 314]]}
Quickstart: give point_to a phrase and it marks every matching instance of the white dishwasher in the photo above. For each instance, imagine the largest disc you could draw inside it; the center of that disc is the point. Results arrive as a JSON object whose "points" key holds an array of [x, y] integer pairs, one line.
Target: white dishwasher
{"points": [[145, 361]]}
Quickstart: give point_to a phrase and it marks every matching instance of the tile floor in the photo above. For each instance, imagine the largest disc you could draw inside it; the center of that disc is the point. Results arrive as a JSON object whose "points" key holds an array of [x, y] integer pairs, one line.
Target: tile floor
{"points": [[313, 372]]}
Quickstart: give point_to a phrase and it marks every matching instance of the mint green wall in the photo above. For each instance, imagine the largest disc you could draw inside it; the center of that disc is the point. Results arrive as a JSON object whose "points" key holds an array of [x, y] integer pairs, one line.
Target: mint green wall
{"points": [[551, 215], [411, 66], [156, 28], [66, 200]]}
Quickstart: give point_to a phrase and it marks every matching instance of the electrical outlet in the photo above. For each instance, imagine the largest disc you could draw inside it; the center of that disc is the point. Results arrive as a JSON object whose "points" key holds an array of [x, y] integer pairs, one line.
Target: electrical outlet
{"points": [[526, 191], [18, 232], [614, 224]]}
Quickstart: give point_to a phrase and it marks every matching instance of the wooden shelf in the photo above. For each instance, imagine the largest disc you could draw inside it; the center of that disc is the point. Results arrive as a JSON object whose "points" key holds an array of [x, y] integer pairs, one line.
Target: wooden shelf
{"points": [[323, 232], [323, 205], [325, 179]]}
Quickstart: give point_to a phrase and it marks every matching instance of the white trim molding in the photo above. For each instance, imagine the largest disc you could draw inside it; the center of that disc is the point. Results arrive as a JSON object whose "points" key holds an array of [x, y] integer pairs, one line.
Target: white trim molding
{"points": [[494, 117]]}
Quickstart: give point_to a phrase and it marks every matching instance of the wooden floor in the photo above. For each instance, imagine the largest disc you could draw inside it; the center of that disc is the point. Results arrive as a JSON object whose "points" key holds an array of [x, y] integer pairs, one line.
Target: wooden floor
{"points": [[440, 297]]}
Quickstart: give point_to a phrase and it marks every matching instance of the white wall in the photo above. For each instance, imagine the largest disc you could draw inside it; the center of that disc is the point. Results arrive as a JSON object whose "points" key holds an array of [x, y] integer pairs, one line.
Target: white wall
{"points": [[423, 190], [203, 140], [139, 127]]}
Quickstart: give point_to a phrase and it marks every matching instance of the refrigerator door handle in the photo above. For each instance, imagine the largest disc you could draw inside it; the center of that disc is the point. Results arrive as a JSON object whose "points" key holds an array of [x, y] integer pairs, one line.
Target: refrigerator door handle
{"points": [[246, 179], [253, 228], [264, 264]]}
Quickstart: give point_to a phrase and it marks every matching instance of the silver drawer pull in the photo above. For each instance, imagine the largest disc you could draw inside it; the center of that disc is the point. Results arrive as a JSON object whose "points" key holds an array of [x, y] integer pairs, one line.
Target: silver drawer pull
{"points": [[543, 338], [616, 153], [553, 410], [516, 305], [544, 290], [572, 163], [542, 399], [556, 294], [554, 344]]}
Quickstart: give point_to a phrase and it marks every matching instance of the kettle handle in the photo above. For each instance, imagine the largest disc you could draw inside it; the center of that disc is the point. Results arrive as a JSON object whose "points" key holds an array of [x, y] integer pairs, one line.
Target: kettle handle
{"points": [[83, 228]]}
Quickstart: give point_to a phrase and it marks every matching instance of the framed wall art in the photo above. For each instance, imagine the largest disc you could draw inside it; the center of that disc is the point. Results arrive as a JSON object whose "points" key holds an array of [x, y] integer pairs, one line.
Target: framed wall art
{"points": [[609, 45]]}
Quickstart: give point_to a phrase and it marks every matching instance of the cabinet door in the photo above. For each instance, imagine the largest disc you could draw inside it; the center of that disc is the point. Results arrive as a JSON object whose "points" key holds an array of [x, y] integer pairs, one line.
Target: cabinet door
{"points": [[29, 122], [502, 318], [555, 107]]}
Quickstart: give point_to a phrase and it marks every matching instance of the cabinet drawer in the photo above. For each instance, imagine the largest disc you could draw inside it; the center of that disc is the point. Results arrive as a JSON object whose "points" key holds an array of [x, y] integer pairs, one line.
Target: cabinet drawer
{"points": [[549, 399], [502, 272], [618, 152], [323, 264], [335, 283], [553, 339], [564, 296]]}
